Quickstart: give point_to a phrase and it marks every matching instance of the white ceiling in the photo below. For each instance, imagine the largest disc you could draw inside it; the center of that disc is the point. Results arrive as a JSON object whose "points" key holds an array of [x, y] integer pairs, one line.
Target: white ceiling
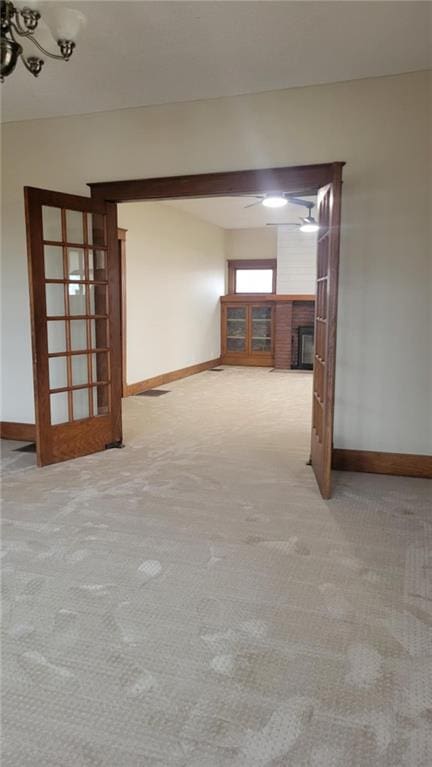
{"points": [[230, 212], [140, 53]]}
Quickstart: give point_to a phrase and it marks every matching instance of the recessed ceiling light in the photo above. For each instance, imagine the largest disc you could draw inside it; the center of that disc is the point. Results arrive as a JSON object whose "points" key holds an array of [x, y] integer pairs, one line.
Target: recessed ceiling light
{"points": [[274, 201]]}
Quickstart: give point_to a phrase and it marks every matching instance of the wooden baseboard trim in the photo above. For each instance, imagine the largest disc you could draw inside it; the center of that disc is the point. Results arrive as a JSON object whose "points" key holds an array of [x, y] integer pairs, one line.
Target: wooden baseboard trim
{"points": [[174, 375], [398, 464], [22, 432]]}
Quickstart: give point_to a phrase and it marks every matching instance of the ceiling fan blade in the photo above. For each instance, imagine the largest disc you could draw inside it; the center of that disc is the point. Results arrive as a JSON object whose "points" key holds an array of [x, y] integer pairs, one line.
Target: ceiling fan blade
{"points": [[308, 220], [252, 204], [283, 224], [303, 203]]}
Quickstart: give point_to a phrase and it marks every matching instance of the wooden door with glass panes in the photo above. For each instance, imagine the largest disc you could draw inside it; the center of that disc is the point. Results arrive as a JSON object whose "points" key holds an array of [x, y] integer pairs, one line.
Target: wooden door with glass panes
{"points": [[329, 211], [74, 276]]}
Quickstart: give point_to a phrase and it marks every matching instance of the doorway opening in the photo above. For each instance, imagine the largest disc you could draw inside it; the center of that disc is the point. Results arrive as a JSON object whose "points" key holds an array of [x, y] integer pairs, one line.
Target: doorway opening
{"points": [[99, 425], [213, 279]]}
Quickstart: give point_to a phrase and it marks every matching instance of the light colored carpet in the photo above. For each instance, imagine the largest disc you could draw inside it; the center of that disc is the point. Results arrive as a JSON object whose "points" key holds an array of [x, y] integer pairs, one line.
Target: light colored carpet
{"points": [[190, 601]]}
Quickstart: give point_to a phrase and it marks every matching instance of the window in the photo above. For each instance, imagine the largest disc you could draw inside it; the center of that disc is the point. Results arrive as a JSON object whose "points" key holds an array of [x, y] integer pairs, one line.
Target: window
{"points": [[252, 276]]}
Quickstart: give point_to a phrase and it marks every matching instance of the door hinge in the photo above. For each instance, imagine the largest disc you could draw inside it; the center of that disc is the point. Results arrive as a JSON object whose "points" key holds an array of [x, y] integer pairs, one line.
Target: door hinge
{"points": [[118, 444]]}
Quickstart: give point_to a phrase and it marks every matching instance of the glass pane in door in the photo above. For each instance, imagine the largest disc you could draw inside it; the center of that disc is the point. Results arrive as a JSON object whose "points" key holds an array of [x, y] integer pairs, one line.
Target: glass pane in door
{"points": [[97, 265], [261, 312], [236, 312], [56, 336], [78, 335], [53, 262], [58, 373], [55, 303], [51, 223], [77, 299], [79, 369], [261, 329], [74, 226], [236, 344], [99, 334], [101, 400], [76, 264], [261, 344], [59, 408], [96, 230], [236, 328], [100, 367], [81, 404], [98, 299]]}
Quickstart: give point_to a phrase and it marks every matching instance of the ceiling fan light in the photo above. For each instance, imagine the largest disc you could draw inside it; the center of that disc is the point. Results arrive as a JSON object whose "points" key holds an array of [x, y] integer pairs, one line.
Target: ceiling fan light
{"points": [[274, 201], [309, 227]]}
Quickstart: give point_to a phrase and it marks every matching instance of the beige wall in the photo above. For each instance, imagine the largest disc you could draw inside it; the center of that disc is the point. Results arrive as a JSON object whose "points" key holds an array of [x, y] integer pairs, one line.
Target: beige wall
{"points": [[251, 243], [380, 127], [175, 266], [257, 242]]}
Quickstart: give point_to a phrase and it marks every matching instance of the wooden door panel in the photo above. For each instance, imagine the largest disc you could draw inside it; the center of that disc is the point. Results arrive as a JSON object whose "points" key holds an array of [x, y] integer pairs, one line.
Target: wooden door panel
{"points": [[329, 203], [74, 293]]}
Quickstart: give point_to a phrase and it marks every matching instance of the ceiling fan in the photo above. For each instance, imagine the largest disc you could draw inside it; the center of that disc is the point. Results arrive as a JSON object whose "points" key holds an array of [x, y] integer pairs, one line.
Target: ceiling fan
{"points": [[306, 224], [271, 200]]}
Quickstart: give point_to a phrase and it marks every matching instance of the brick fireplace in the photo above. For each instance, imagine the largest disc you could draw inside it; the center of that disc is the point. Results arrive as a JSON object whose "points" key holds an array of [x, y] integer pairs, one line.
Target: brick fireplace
{"points": [[289, 317]]}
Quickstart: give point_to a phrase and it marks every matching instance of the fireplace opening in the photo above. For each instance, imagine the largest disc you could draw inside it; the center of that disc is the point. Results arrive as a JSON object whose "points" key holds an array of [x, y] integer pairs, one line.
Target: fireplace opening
{"points": [[305, 347]]}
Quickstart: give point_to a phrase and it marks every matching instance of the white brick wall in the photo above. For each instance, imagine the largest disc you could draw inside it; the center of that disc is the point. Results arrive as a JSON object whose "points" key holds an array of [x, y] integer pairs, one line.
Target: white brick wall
{"points": [[296, 261]]}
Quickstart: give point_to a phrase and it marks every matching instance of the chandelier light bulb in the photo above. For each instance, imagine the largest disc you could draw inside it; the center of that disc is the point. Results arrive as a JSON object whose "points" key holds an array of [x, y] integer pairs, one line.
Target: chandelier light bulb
{"points": [[66, 23]]}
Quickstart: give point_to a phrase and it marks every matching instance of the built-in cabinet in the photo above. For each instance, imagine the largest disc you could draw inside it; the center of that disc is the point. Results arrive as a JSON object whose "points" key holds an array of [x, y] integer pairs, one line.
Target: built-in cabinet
{"points": [[271, 330], [248, 333]]}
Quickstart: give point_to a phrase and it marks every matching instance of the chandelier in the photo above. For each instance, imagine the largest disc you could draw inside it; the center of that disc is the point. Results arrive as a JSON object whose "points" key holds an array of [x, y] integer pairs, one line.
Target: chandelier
{"points": [[19, 25]]}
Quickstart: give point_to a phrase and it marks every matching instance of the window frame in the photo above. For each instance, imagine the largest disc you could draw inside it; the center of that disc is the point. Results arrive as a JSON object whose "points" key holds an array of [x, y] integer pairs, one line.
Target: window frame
{"points": [[250, 263]]}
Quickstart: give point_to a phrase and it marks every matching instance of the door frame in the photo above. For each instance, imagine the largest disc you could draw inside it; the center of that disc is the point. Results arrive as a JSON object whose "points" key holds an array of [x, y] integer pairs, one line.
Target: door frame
{"points": [[121, 237], [296, 180]]}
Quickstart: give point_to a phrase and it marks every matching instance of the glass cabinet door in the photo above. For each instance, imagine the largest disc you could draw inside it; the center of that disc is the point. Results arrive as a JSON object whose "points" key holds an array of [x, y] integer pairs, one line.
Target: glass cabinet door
{"points": [[261, 328], [236, 328]]}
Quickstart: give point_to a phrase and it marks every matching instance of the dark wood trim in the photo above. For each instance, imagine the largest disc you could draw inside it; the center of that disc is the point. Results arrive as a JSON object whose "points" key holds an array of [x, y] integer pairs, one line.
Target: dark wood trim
{"points": [[299, 179], [121, 236], [174, 375], [21, 432], [253, 263], [373, 462], [69, 201], [296, 180], [259, 360], [265, 298], [250, 263]]}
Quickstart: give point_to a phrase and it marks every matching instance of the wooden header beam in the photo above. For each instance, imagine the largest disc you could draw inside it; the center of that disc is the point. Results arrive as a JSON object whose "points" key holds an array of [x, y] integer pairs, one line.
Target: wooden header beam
{"points": [[295, 180]]}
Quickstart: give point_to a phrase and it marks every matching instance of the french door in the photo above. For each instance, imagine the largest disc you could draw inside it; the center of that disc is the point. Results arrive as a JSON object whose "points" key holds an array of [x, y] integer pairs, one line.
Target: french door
{"points": [[329, 210], [74, 276]]}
